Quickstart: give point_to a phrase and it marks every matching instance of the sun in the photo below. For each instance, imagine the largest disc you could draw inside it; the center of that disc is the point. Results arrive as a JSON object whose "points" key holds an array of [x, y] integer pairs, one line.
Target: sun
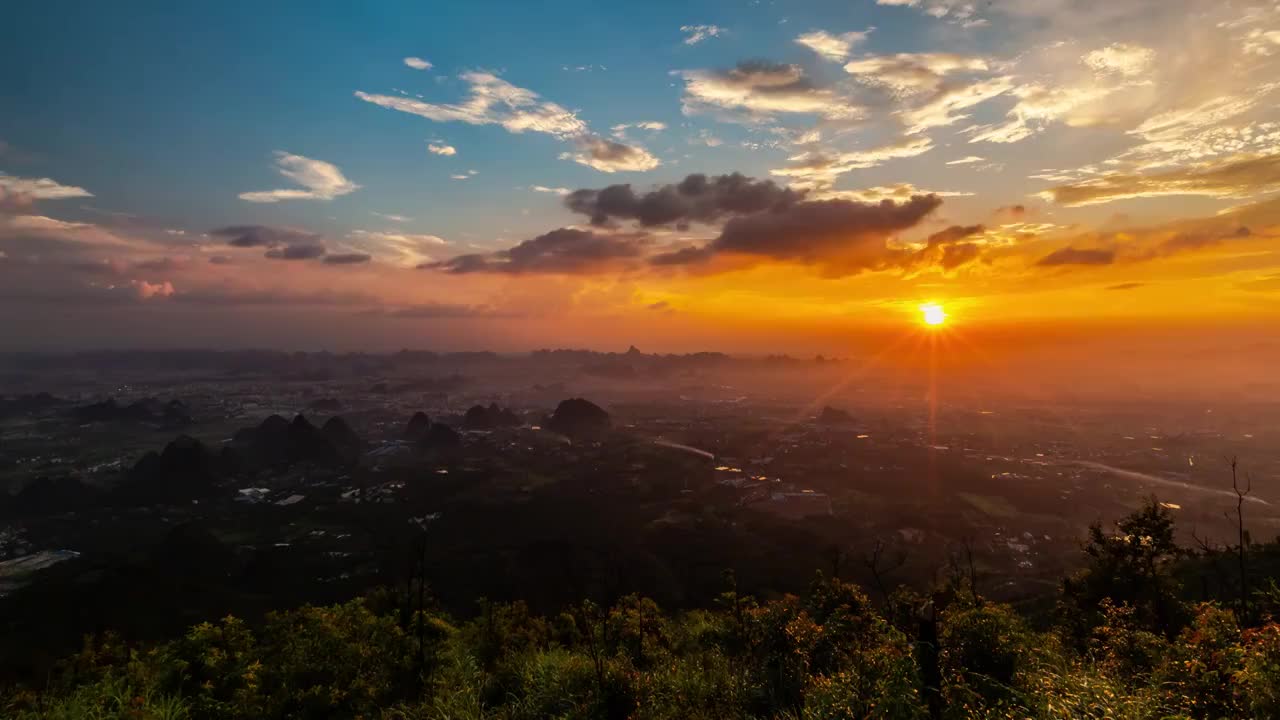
{"points": [[933, 314]]}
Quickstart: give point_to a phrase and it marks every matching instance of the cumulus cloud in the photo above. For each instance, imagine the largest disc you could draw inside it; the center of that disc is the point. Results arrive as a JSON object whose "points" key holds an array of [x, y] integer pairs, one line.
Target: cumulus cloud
{"points": [[696, 198], [38, 188], [321, 180], [833, 47], [695, 34], [562, 251], [441, 149], [417, 63], [1234, 178], [762, 89], [491, 101], [840, 237], [609, 156]]}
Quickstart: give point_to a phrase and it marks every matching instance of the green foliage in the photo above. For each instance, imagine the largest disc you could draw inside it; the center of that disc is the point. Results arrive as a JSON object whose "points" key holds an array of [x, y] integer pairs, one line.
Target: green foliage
{"points": [[1132, 566], [1121, 651]]}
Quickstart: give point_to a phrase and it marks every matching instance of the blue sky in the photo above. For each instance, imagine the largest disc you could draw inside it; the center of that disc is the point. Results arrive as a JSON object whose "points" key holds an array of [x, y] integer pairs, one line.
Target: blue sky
{"points": [[135, 135]]}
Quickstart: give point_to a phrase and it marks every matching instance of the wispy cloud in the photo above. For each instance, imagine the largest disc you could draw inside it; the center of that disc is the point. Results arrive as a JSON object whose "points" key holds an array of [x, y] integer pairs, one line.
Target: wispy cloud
{"points": [[833, 47], [695, 34], [41, 188], [321, 180]]}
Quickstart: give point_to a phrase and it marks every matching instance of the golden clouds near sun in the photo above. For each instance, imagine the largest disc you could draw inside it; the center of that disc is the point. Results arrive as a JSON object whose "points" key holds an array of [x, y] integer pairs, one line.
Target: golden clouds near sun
{"points": [[932, 314]]}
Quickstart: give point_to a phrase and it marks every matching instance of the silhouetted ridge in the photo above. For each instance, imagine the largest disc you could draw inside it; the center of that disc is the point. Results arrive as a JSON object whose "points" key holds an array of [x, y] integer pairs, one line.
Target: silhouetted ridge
{"points": [[480, 417], [417, 428]]}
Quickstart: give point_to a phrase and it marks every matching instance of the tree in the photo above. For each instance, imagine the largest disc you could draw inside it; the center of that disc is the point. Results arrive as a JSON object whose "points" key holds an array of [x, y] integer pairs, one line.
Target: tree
{"points": [[1129, 567]]}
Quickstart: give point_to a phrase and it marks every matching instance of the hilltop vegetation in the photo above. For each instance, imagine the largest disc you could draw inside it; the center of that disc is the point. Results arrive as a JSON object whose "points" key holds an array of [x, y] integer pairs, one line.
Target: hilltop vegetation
{"points": [[1121, 643]]}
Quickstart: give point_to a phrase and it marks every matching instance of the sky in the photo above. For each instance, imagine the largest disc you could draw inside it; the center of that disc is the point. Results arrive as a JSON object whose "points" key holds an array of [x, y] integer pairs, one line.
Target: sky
{"points": [[744, 176]]}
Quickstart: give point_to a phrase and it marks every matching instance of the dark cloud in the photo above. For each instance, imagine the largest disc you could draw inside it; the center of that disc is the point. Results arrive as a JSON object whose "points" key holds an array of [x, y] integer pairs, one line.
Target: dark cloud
{"points": [[955, 234], [347, 258], [246, 236], [1078, 256], [697, 198], [1126, 286], [843, 236], [948, 249], [1013, 212], [302, 251], [1192, 241], [220, 260], [566, 250]]}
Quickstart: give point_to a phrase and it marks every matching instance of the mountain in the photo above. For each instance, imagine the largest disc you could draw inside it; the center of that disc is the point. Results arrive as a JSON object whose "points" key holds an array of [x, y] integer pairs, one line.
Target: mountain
{"points": [[577, 417]]}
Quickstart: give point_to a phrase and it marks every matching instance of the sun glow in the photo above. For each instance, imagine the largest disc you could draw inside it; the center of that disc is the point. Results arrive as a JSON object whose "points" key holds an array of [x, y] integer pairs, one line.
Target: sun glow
{"points": [[933, 314]]}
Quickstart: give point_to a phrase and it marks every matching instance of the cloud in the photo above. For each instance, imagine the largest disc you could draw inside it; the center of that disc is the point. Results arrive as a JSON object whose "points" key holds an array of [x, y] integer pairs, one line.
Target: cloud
{"points": [[1126, 286], [39, 188], [417, 63], [441, 149], [820, 169], [695, 34], [392, 218], [303, 251], [833, 47], [841, 237], [1122, 59], [899, 191], [322, 180], [620, 131], [967, 160], [491, 101], [347, 258], [268, 236], [944, 107], [147, 291], [553, 190], [696, 198], [14, 202], [562, 251], [762, 89], [1078, 256], [905, 74], [404, 249], [1235, 178], [609, 156], [957, 12]]}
